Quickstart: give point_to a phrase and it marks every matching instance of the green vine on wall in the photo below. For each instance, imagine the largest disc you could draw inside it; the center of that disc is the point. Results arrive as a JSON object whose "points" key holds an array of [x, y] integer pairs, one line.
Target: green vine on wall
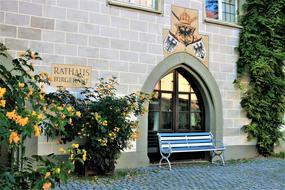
{"points": [[261, 57]]}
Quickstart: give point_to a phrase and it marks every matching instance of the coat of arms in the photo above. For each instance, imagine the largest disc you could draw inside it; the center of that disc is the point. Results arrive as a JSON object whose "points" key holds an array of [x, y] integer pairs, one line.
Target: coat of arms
{"points": [[184, 36]]}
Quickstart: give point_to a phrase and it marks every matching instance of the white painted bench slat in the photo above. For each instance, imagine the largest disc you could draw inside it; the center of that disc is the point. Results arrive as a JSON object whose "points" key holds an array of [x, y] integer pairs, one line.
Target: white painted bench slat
{"points": [[183, 138]]}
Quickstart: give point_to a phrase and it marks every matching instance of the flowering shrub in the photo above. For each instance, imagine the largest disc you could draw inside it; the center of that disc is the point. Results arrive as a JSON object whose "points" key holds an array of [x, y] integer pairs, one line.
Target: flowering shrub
{"points": [[107, 122], [24, 113], [110, 123]]}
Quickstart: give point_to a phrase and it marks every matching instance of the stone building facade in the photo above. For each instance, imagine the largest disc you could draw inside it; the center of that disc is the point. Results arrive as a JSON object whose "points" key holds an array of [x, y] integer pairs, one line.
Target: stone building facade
{"points": [[128, 43]]}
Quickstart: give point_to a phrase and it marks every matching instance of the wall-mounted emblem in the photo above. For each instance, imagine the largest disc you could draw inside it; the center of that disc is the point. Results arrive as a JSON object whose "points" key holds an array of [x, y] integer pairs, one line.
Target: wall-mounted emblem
{"points": [[183, 35], [170, 43]]}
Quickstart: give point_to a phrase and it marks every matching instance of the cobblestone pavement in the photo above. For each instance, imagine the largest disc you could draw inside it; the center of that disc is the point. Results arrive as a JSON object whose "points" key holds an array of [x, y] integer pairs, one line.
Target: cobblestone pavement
{"points": [[258, 174]]}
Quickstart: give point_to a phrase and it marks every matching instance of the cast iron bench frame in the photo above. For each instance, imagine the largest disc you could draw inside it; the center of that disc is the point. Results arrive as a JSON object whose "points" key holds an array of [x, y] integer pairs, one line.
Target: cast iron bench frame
{"points": [[189, 142]]}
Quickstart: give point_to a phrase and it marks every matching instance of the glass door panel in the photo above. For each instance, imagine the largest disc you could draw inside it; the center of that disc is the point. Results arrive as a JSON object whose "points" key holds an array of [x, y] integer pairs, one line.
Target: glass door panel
{"points": [[183, 122], [183, 114], [196, 122], [154, 104], [153, 121], [166, 102], [183, 84], [166, 121], [166, 111], [194, 103], [183, 102], [167, 82]]}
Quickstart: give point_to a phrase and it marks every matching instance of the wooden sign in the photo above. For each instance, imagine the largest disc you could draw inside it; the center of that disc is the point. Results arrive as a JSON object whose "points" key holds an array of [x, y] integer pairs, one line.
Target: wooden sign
{"points": [[72, 76], [184, 36]]}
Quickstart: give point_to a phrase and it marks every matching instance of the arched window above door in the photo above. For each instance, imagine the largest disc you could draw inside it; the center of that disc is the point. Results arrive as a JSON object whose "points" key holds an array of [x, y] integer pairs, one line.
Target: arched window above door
{"points": [[177, 106]]}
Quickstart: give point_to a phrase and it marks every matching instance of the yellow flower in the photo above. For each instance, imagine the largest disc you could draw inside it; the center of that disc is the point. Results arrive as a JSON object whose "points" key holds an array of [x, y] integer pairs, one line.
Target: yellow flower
{"points": [[69, 109], [78, 114], [47, 175], [61, 150], [75, 145], [42, 96], [11, 115], [105, 123], [40, 117], [49, 78], [71, 156], [2, 103], [34, 113], [14, 138], [116, 129], [30, 92], [97, 116], [36, 130], [2, 92], [21, 85], [84, 155], [70, 121], [103, 142], [57, 170], [60, 108], [22, 121], [46, 185]]}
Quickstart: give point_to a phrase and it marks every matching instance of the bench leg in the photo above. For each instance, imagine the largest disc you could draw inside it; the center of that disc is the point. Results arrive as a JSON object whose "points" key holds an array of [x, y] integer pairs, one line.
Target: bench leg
{"points": [[163, 157], [219, 154]]}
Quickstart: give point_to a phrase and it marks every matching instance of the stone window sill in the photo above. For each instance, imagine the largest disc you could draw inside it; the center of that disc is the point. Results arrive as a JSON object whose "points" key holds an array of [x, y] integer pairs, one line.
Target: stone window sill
{"points": [[219, 22], [133, 6]]}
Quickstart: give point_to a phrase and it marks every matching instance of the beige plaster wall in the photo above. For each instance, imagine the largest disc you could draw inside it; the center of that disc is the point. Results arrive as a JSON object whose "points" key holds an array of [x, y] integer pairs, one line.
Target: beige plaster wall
{"points": [[117, 41]]}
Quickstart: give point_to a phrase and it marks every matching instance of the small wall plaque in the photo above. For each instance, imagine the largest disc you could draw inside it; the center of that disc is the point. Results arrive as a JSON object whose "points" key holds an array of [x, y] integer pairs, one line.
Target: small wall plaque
{"points": [[72, 76]]}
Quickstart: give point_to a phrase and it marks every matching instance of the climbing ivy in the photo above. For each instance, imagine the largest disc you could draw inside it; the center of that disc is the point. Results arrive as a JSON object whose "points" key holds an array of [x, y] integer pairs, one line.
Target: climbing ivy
{"points": [[261, 57]]}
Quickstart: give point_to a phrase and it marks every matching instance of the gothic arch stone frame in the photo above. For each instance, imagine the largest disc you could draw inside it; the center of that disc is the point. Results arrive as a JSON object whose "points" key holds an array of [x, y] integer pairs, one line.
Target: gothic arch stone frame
{"points": [[206, 84], [209, 91]]}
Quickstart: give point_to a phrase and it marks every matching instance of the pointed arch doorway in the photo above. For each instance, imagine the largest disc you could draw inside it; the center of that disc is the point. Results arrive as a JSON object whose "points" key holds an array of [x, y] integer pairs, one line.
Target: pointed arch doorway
{"points": [[177, 105], [187, 99]]}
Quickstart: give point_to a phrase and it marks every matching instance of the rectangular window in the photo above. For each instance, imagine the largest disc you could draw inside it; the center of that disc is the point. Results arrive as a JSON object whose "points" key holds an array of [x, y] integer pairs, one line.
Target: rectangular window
{"points": [[146, 5], [223, 10]]}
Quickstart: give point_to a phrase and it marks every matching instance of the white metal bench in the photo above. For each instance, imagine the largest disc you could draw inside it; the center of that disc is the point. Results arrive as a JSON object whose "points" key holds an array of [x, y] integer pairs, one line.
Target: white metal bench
{"points": [[189, 142]]}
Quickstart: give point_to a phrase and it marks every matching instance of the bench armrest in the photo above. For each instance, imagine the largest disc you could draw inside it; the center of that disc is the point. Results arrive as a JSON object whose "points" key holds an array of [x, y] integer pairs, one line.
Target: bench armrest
{"points": [[169, 148]]}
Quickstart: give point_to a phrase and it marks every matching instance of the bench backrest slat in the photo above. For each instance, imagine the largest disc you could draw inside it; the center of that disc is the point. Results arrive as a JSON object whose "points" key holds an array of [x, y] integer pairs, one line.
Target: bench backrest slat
{"points": [[185, 137]]}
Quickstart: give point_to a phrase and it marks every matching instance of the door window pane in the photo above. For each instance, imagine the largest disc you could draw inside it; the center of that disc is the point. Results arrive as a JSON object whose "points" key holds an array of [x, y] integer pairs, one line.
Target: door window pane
{"points": [[167, 82], [153, 121], [183, 84], [183, 120], [183, 102], [194, 103], [154, 104], [166, 118], [196, 121], [166, 102]]}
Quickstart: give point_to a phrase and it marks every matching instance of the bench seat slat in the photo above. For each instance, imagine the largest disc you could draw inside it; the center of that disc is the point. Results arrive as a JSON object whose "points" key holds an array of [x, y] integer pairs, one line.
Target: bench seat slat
{"points": [[193, 149], [187, 141], [187, 145]]}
